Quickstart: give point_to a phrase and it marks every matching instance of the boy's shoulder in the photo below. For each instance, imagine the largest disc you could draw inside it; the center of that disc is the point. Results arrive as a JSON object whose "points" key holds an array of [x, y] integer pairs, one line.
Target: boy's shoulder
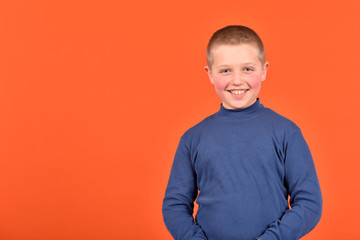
{"points": [[281, 126], [280, 119], [200, 126]]}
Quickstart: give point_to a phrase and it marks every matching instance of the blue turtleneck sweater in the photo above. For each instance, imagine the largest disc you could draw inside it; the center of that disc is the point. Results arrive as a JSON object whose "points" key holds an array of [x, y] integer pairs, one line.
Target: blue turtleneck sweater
{"points": [[242, 165]]}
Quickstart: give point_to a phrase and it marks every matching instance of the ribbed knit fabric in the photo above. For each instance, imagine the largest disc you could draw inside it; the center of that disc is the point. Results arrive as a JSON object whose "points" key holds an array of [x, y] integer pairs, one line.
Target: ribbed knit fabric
{"points": [[244, 164]]}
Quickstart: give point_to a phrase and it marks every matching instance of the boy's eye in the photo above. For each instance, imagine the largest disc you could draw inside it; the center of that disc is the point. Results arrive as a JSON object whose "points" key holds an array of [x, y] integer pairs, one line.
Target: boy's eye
{"points": [[224, 71], [247, 69]]}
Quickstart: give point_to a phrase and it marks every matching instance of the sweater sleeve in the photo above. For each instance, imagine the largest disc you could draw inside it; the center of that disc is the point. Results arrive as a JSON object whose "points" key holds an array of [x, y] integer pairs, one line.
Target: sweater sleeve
{"points": [[304, 190], [179, 198]]}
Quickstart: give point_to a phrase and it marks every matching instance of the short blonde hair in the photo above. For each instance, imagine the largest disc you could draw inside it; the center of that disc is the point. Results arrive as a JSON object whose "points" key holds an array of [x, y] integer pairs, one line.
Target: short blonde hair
{"points": [[234, 35]]}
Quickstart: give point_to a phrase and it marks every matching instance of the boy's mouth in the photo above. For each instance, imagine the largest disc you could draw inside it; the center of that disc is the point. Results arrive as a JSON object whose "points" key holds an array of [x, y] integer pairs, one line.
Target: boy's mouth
{"points": [[237, 91]]}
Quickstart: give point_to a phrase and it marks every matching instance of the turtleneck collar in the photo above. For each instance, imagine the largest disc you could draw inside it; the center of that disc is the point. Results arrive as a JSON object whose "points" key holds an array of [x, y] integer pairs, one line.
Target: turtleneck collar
{"points": [[252, 111]]}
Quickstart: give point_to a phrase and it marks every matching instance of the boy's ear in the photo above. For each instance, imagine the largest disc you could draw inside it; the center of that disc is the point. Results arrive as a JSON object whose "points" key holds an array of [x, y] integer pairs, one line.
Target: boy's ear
{"points": [[265, 68], [208, 71]]}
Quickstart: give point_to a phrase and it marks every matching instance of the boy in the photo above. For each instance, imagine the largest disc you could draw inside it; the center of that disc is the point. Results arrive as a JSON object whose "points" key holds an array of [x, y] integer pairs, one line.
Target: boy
{"points": [[244, 161]]}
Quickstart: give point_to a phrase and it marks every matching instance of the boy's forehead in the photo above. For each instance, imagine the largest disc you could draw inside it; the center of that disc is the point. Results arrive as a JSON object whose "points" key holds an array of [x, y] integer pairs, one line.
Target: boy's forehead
{"points": [[221, 53], [225, 47], [233, 52]]}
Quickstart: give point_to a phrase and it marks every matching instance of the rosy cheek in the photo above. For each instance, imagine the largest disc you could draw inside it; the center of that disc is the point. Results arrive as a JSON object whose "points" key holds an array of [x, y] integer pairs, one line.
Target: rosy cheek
{"points": [[254, 80], [220, 82]]}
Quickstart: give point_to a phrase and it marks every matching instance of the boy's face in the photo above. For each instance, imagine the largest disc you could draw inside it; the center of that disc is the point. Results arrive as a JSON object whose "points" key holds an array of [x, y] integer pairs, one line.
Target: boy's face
{"points": [[236, 74]]}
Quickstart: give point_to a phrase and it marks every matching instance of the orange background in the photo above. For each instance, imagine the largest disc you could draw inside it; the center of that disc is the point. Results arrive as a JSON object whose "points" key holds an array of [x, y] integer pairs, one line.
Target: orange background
{"points": [[94, 96]]}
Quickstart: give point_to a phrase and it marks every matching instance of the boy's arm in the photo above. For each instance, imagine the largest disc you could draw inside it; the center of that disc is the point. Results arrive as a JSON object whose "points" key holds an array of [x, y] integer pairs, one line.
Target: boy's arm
{"points": [[179, 198], [304, 190]]}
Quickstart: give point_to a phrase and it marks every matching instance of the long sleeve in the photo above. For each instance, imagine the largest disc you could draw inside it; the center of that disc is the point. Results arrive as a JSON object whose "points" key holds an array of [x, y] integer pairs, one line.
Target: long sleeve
{"points": [[304, 190], [179, 198]]}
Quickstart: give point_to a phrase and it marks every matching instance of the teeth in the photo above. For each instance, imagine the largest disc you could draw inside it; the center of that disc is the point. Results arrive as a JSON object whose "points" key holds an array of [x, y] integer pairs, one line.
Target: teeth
{"points": [[237, 92]]}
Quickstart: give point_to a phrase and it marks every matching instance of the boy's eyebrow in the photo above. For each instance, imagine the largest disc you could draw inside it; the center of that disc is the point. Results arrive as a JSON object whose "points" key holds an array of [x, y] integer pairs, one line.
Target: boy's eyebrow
{"points": [[247, 63], [226, 65], [223, 65]]}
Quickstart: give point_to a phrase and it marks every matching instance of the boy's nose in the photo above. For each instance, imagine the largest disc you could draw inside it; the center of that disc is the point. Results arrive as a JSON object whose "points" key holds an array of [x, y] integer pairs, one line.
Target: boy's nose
{"points": [[237, 79]]}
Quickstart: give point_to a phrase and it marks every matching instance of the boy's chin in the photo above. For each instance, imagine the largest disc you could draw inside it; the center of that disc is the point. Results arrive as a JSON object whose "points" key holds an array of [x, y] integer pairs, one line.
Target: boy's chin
{"points": [[237, 106]]}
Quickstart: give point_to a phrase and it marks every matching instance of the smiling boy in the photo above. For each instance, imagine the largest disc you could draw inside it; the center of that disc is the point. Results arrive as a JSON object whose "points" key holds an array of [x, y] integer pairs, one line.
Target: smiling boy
{"points": [[237, 74], [242, 162]]}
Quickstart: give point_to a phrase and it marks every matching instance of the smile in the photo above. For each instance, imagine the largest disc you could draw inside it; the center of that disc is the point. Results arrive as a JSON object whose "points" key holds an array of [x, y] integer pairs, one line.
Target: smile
{"points": [[237, 91]]}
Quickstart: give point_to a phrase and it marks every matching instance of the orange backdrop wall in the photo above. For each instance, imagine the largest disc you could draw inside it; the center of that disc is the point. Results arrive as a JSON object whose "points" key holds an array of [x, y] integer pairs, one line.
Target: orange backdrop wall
{"points": [[94, 96]]}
